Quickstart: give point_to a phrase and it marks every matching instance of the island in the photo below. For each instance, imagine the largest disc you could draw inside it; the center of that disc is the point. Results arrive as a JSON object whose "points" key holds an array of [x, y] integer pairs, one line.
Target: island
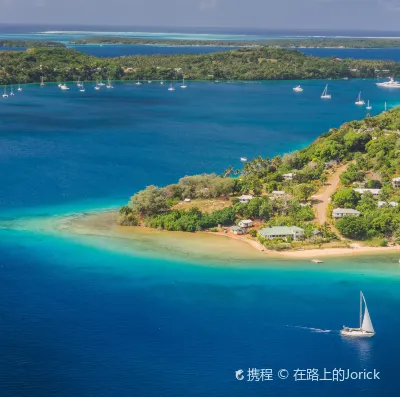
{"points": [[64, 64], [341, 192], [31, 44], [306, 42]]}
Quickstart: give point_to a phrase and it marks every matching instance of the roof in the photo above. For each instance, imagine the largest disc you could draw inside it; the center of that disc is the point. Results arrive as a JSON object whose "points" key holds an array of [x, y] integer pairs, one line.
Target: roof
{"points": [[246, 197], [246, 221], [278, 192], [236, 228], [345, 211], [373, 191], [280, 230], [291, 174], [396, 179], [315, 232], [390, 204]]}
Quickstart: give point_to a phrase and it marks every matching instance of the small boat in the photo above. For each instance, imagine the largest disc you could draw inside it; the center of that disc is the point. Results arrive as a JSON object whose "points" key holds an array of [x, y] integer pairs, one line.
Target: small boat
{"points": [[183, 84], [5, 95], [82, 89], [12, 91], [149, 81], [100, 84], [297, 89], [64, 87], [359, 101], [369, 107], [161, 82], [138, 82], [19, 89], [243, 159], [97, 86], [79, 84], [42, 82], [317, 261], [109, 84], [325, 94], [366, 330], [171, 88]]}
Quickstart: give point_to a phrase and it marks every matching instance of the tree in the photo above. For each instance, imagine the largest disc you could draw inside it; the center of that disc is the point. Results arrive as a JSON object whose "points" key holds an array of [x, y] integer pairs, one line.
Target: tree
{"points": [[303, 191], [149, 201], [346, 198], [352, 227]]}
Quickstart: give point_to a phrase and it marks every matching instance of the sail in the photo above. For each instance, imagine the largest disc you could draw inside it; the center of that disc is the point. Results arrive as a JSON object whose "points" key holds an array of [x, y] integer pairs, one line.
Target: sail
{"points": [[367, 324]]}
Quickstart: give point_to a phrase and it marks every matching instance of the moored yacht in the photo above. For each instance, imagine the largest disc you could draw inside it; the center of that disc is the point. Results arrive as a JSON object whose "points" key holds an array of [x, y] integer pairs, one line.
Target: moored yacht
{"points": [[42, 82], [19, 89], [359, 101], [366, 330], [369, 107], [109, 84], [138, 82], [12, 91], [64, 87], [171, 87], [389, 84], [298, 89], [5, 95], [183, 84]]}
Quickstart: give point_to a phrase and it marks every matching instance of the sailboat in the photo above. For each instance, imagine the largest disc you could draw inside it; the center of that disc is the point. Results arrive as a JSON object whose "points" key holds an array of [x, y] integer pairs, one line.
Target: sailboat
{"points": [[5, 95], [369, 107], [359, 101], [325, 94], [385, 107], [183, 84], [79, 84], [12, 91], [97, 86], [82, 89], [41, 82], [138, 82], [64, 87], [19, 87], [109, 84], [298, 89], [171, 87], [366, 330], [100, 83], [162, 82]]}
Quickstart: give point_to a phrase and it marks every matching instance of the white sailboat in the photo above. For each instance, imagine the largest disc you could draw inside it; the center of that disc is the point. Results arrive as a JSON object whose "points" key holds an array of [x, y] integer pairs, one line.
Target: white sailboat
{"points": [[5, 95], [64, 87], [82, 89], [109, 84], [171, 87], [79, 84], [298, 89], [12, 91], [162, 82], [97, 86], [325, 94], [100, 84], [366, 330], [138, 82], [369, 107], [42, 82], [183, 84], [19, 87], [359, 101]]}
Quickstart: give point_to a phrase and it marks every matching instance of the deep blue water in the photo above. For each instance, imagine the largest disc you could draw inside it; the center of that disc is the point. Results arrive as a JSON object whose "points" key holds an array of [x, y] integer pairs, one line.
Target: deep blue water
{"points": [[77, 319]]}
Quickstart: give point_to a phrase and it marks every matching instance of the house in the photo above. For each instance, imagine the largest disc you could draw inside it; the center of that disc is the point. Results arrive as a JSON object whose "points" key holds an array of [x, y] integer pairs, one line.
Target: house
{"points": [[245, 198], [278, 193], [289, 177], [187, 200], [237, 230], [246, 223], [341, 212], [396, 182], [385, 204], [316, 233], [282, 232], [375, 192]]}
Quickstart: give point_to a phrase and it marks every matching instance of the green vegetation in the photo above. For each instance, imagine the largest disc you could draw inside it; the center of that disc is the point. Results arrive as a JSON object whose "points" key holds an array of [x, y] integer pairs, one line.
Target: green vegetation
{"points": [[30, 44], [281, 43], [63, 64], [370, 147]]}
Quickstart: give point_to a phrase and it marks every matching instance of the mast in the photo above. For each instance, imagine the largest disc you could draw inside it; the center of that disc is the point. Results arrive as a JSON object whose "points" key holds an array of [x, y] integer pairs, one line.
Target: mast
{"points": [[361, 295]]}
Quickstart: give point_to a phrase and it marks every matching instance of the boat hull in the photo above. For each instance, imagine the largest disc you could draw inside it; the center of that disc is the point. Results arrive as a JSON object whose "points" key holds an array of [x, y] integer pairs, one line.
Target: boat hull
{"points": [[356, 333]]}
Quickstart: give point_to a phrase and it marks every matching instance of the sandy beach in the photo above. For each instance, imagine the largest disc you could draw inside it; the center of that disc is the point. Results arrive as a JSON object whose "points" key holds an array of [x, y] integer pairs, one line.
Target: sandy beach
{"points": [[202, 245]]}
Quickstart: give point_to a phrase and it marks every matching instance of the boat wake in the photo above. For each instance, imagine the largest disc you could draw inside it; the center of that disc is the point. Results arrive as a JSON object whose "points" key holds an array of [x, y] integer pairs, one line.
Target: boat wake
{"points": [[311, 329]]}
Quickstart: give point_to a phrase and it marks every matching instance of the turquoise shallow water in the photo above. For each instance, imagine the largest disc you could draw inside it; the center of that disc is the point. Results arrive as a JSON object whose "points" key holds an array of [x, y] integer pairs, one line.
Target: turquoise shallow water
{"points": [[78, 319]]}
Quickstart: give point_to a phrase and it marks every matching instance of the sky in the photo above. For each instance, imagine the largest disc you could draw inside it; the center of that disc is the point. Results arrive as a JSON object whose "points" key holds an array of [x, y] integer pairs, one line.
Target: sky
{"points": [[264, 14]]}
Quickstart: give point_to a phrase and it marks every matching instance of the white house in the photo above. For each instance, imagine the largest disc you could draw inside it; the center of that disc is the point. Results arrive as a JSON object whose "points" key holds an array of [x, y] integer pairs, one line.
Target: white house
{"points": [[278, 193], [246, 223], [396, 182], [375, 192], [385, 204], [245, 198], [282, 232], [341, 212], [289, 177]]}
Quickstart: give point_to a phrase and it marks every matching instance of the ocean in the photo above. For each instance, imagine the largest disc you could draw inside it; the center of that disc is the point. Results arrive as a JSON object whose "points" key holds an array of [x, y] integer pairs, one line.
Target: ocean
{"points": [[80, 319]]}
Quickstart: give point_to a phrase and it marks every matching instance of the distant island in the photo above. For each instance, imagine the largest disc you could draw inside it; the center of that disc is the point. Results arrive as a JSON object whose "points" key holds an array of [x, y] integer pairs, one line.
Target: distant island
{"points": [[31, 44], [64, 64], [343, 190], [319, 42]]}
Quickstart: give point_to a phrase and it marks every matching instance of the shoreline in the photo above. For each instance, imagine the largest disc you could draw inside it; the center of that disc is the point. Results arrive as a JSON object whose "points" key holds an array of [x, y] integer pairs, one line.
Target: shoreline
{"points": [[102, 223]]}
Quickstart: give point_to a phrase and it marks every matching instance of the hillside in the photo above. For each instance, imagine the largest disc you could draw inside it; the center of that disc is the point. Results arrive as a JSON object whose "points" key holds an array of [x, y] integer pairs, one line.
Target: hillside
{"points": [[362, 154]]}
